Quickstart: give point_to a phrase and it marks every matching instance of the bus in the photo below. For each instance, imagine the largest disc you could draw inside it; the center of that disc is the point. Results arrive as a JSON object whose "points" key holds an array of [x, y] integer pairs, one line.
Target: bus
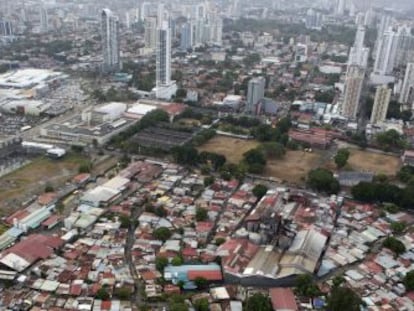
{"points": [[25, 128]]}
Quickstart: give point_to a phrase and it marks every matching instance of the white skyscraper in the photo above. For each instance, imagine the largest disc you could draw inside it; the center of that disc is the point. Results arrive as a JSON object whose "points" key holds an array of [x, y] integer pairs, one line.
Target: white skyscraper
{"points": [[386, 53], [255, 93], [340, 7], [165, 88], [150, 35], [313, 19], [44, 19], [216, 31], [353, 87], [110, 43], [405, 48], [380, 108], [359, 54], [407, 90]]}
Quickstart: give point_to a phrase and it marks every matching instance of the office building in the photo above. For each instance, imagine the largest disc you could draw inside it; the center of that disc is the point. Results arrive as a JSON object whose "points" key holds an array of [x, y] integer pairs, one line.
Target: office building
{"points": [[186, 39], [382, 100], [216, 31], [255, 93], [165, 88], [386, 53], [150, 35], [353, 87], [44, 20], [110, 41], [6, 28], [407, 90], [313, 19], [359, 53], [405, 48], [301, 53], [340, 7]]}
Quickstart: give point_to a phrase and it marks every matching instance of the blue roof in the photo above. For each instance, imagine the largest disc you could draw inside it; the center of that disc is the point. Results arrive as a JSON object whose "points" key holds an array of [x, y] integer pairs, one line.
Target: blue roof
{"points": [[180, 273], [186, 268], [15, 232]]}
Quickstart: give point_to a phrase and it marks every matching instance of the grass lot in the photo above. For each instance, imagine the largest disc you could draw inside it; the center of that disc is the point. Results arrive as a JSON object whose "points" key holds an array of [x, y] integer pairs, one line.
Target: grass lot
{"points": [[32, 178], [294, 166], [377, 163], [232, 148]]}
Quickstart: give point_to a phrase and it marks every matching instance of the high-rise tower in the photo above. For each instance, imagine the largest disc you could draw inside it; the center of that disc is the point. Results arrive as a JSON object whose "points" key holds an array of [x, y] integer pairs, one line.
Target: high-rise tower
{"points": [[110, 41]]}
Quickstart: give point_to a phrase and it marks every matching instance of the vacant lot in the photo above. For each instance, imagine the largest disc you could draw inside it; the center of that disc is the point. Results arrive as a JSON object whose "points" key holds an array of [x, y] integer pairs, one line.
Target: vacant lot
{"points": [[377, 163], [294, 167], [232, 148], [32, 178]]}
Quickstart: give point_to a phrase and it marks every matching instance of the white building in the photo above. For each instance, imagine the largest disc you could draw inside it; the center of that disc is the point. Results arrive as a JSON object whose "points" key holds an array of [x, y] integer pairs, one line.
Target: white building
{"points": [[407, 90], [386, 53], [110, 41], [150, 35], [255, 93], [165, 87], [382, 100], [359, 53], [44, 19]]}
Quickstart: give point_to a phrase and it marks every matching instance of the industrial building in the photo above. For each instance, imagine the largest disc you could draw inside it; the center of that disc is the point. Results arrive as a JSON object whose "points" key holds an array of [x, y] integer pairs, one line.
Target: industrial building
{"points": [[21, 91]]}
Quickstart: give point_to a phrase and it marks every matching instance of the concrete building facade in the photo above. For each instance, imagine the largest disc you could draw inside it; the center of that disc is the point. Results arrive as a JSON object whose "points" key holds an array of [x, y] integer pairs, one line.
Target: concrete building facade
{"points": [[382, 100]]}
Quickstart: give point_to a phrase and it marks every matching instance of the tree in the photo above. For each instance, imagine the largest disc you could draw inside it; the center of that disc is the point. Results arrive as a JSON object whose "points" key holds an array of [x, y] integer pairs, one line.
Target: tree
{"points": [[123, 293], [394, 245], [341, 158], [398, 227], [180, 306], [185, 155], [338, 280], [274, 150], [102, 294], [201, 304], [177, 261], [125, 221], [409, 280], [391, 139], [322, 180], [200, 282], [220, 241], [201, 214], [160, 263], [406, 173], [306, 287], [49, 188], [162, 234], [255, 160], [85, 167], [343, 299], [208, 181], [259, 191], [258, 302]]}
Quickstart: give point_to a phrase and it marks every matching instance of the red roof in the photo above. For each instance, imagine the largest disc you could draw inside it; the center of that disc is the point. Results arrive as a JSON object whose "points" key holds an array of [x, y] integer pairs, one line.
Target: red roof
{"points": [[81, 178], [204, 226], [51, 221], [189, 252], [283, 299], [76, 290], [106, 305], [208, 275], [18, 215], [35, 247]]}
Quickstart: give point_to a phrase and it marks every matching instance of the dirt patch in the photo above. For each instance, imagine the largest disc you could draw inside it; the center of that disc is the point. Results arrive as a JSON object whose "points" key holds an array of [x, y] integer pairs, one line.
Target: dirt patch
{"points": [[377, 163], [294, 167], [232, 148], [32, 179]]}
